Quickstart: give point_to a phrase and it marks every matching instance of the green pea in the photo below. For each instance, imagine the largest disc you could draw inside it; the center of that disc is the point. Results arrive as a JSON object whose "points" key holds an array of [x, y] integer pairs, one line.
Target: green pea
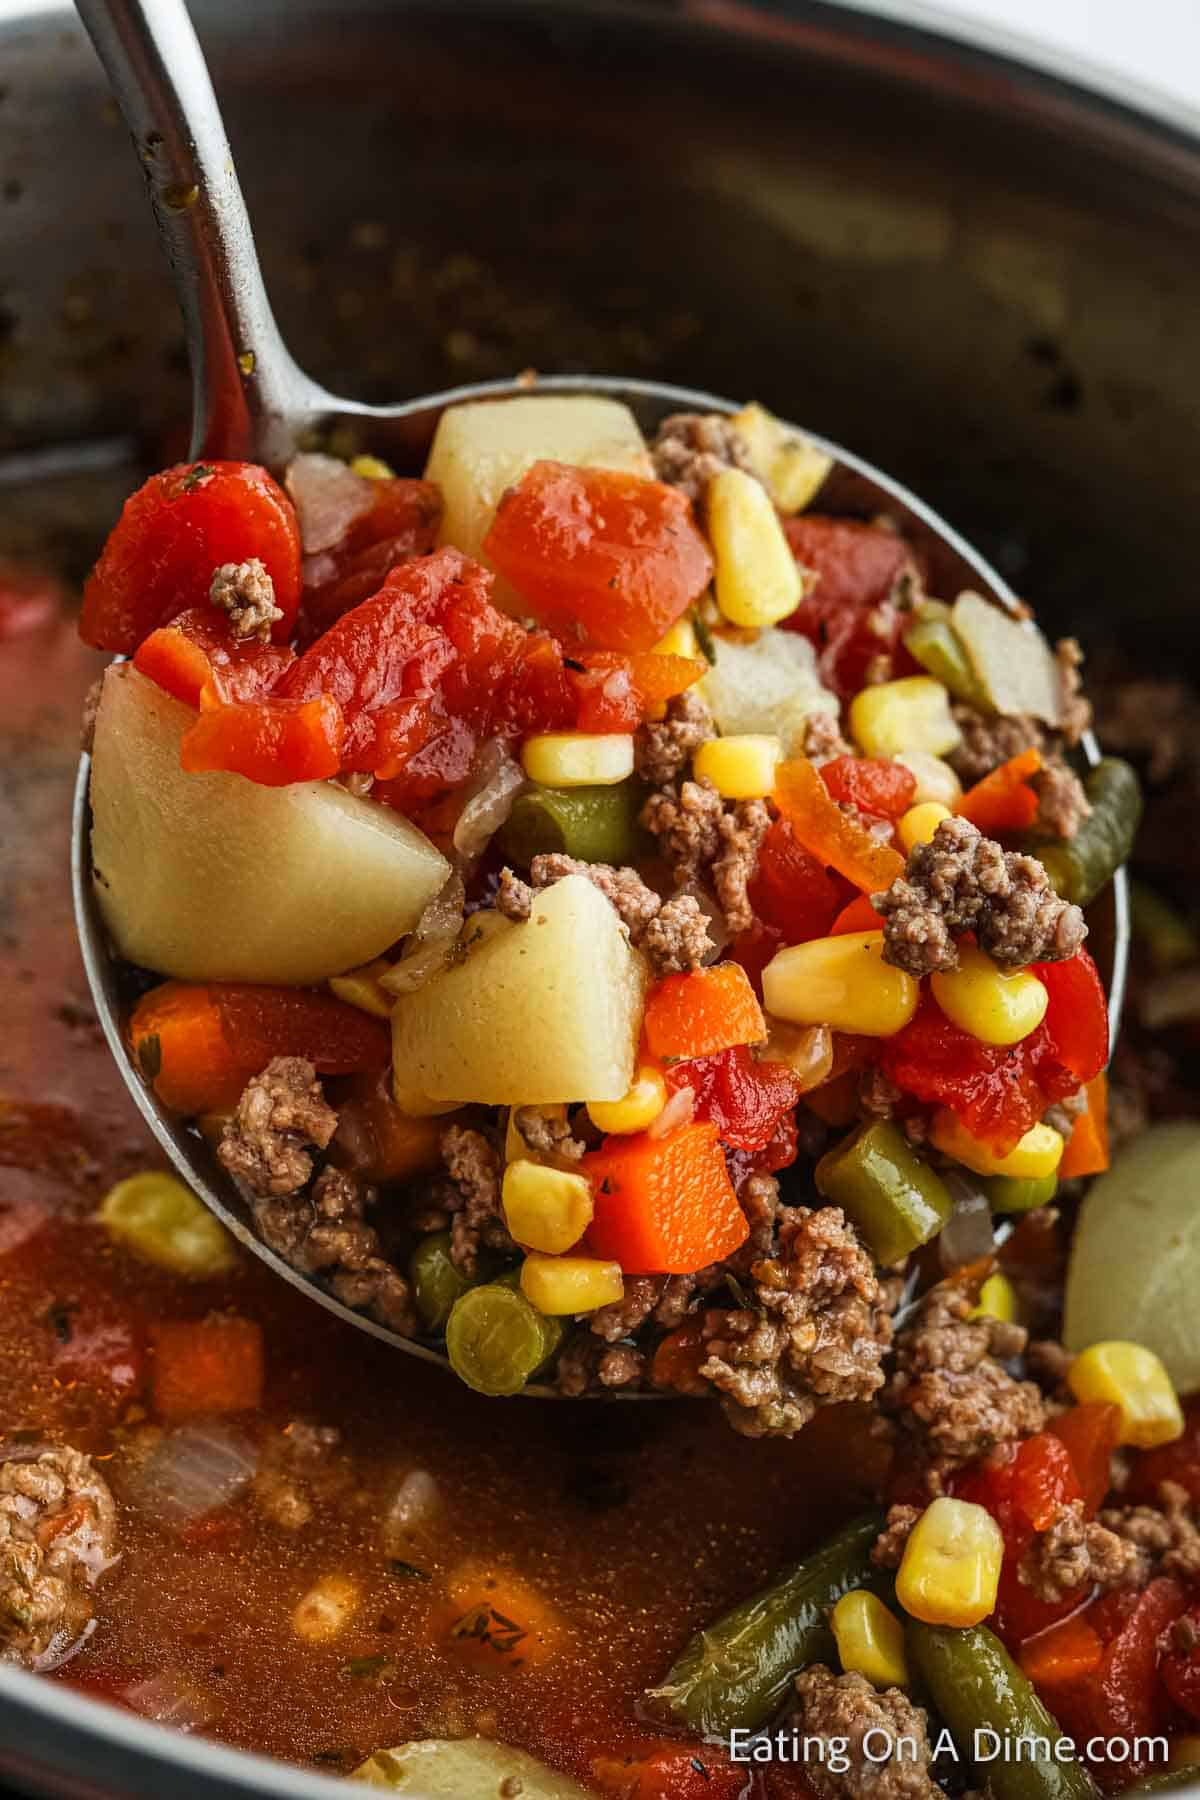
{"points": [[494, 1339]]}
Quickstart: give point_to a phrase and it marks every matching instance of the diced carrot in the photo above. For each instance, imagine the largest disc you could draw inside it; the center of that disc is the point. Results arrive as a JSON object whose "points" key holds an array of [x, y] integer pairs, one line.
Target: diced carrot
{"points": [[273, 742], [500, 1623], [1003, 801], [199, 1044], [672, 1770], [212, 1365], [832, 836], [1087, 1147], [664, 1205], [860, 915], [677, 1360], [1091, 1432], [699, 1014], [1064, 1652]]}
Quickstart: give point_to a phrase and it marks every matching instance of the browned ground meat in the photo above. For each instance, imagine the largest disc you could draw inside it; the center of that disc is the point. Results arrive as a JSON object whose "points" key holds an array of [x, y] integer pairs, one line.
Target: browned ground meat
{"points": [[823, 738], [473, 1166], [1047, 1362], [324, 1232], [280, 1117], [1073, 1551], [699, 833], [514, 897], [988, 739], [1166, 1536], [1063, 1114], [635, 903], [623, 1317], [690, 448], [664, 747], [1062, 803], [819, 1337], [949, 1388], [58, 1534], [547, 1135], [889, 1545], [586, 1362], [1076, 710], [246, 592], [742, 828], [962, 881], [673, 936], [842, 1710], [676, 940]]}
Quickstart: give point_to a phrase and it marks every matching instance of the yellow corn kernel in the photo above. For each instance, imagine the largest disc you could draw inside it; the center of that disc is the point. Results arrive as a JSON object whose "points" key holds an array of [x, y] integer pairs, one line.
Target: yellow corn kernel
{"points": [[740, 768], [997, 1006], [544, 1208], [910, 714], [680, 640], [558, 1285], [791, 465], [326, 1610], [516, 1144], [1133, 1378], [1039, 1152], [807, 1050], [636, 1109], [870, 1639], [578, 758], [163, 1222], [842, 982], [373, 468], [950, 1570], [360, 987], [758, 580], [997, 1300], [919, 823], [936, 780]]}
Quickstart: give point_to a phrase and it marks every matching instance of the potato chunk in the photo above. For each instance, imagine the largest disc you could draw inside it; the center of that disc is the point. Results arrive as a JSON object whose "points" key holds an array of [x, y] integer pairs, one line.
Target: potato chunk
{"points": [[213, 878], [769, 684], [464, 1769], [530, 1014], [485, 446]]}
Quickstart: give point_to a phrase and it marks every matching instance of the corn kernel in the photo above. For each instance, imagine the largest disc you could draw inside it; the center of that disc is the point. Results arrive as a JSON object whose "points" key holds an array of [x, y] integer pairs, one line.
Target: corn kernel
{"points": [[636, 1109], [792, 466], [516, 1144], [919, 823], [1133, 1378], [997, 1300], [373, 468], [558, 1285], [360, 987], [578, 758], [680, 640], [950, 1570], [870, 1639], [842, 982], [1038, 1153], [325, 1611], [740, 768], [997, 1006], [936, 780], [910, 714], [758, 580], [544, 1208]]}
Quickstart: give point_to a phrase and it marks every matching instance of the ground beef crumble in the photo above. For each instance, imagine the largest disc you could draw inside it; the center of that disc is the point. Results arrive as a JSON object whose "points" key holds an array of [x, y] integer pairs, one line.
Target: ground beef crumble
{"points": [[699, 835], [690, 448], [473, 1167], [888, 1548], [823, 740], [246, 592], [672, 934], [962, 881], [1074, 1552], [664, 748], [548, 1135], [1062, 804], [1166, 1537], [325, 1232], [989, 739], [844, 1709], [58, 1534], [281, 1116]]}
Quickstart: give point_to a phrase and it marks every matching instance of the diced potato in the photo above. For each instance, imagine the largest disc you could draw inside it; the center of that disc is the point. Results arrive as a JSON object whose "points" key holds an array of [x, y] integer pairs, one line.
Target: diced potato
{"points": [[529, 1014], [768, 686], [213, 878], [791, 465], [1134, 1270], [1012, 659], [464, 1769], [485, 446]]}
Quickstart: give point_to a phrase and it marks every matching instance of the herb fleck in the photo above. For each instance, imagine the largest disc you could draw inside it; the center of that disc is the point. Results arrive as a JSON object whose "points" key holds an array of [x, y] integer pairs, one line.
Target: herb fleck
{"points": [[408, 1571], [58, 1318], [196, 476]]}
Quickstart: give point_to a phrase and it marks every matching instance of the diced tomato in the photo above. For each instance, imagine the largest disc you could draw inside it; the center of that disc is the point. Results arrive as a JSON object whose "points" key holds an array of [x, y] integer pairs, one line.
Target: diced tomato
{"points": [[670, 1771], [678, 1358], [850, 614], [753, 949], [1178, 1462], [270, 741], [859, 915], [744, 1098], [615, 693], [212, 1365], [1022, 1488], [1076, 1021], [602, 558], [1180, 1666], [1091, 1433], [1124, 1697], [402, 523], [871, 783], [180, 526], [792, 892], [781, 1148], [195, 654]]}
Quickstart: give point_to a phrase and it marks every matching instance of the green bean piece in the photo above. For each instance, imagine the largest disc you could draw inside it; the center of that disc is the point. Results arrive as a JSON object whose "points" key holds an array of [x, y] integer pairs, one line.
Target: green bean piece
{"points": [[935, 644], [1018, 1193], [736, 1672], [1170, 940], [437, 1281], [1080, 866], [553, 1330], [594, 824], [494, 1339], [977, 1688], [894, 1199]]}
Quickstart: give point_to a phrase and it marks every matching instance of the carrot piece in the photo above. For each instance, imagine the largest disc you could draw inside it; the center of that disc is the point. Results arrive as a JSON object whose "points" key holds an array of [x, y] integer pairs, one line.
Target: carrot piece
{"points": [[199, 1044], [829, 834], [1087, 1147], [1003, 801], [664, 1205], [1091, 1432], [212, 1365], [860, 915], [699, 1014], [1064, 1652], [500, 1623], [272, 742]]}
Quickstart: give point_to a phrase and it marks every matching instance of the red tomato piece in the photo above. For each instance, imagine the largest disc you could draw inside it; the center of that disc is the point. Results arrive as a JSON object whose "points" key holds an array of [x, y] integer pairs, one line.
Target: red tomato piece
{"points": [[615, 693], [1180, 1667], [180, 526], [850, 614], [1124, 1698], [272, 742], [402, 523], [860, 915], [1022, 1488], [792, 892], [871, 783], [195, 654], [744, 1098], [600, 557], [1076, 1021]]}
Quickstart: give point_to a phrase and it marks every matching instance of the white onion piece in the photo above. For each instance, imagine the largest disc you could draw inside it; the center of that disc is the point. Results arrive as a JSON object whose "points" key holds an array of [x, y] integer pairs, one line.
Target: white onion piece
{"points": [[414, 1506], [315, 571], [430, 942], [170, 1698], [194, 1470], [328, 497], [967, 1234], [496, 780], [678, 1111]]}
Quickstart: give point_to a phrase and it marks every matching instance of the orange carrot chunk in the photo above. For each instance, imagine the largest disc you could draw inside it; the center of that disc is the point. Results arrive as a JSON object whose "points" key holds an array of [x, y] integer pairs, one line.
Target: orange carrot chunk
{"points": [[1087, 1147], [829, 834], [1003, 801], [500, 1623], [212, 1365], [699, 1014], [664, 1205]]}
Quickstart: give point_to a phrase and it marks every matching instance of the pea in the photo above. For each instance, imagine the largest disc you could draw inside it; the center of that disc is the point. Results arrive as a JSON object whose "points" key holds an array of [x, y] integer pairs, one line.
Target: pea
{"points": [[437, 1281], [494, 1339], [161, 1220]]}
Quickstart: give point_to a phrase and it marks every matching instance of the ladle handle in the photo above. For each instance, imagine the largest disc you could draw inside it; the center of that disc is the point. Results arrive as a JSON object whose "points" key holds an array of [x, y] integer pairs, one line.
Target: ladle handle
{"points": [[249, 397]]}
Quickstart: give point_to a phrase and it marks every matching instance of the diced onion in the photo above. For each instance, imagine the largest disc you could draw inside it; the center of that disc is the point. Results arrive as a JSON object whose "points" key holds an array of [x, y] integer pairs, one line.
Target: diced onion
{"points": [[430, 943], [967, 1235], [496, 781], [193, 1471], [678, 1111], [1010, 656], [414, 1505], [328, 497]]}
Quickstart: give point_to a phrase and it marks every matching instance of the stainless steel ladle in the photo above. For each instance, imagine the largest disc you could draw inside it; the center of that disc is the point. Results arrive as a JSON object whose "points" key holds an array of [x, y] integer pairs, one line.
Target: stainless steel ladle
{"points": [[252, 401]]}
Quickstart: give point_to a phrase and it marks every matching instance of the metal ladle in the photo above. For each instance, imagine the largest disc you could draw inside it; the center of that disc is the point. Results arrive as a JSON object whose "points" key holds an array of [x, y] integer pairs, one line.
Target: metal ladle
{"points": [[252, 401]]}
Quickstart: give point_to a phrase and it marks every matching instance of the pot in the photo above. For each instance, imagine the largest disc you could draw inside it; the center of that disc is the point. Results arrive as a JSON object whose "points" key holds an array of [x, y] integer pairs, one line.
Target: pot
{"points": [[976, 272]]}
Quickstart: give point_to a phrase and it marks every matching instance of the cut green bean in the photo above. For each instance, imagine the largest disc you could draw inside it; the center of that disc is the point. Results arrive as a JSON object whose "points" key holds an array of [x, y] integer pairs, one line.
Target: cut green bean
{"points": [[595, 824], [1080, 866], [935, 644], [494, 1339], [977, 1688], [735, 1673], [1018, 1193], [553, 1330], [894, 1200]]}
